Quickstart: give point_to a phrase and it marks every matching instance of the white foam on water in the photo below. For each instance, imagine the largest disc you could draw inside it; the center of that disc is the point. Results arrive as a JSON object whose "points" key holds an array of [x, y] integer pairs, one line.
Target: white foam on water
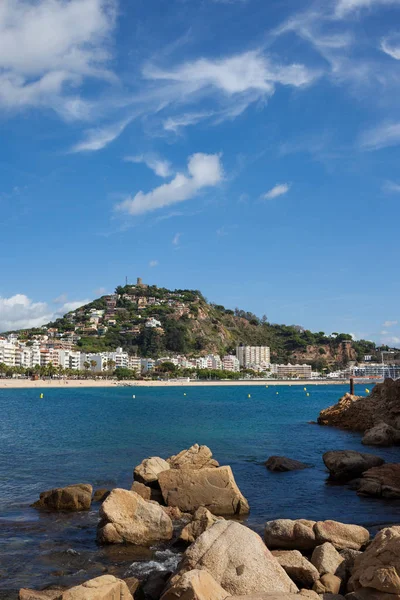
{"points": [[164, 560]]}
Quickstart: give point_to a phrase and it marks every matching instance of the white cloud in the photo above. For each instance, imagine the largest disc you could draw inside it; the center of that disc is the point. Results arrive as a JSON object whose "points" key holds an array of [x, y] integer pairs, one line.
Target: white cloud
{"points": [[49, 47], [390, 323], [176, 239], [345, 7], [99, 137], [278, 190], [204, 170], [391, 340], [153, 263], [391, 45], [382, 136], [177, 122], [391, 186], [161, 167], [19, 311], [60, 299]]}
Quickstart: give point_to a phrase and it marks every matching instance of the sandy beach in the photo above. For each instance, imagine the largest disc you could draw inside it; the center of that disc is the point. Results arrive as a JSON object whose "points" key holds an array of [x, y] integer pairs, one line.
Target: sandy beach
{"points": [[90, 383]]}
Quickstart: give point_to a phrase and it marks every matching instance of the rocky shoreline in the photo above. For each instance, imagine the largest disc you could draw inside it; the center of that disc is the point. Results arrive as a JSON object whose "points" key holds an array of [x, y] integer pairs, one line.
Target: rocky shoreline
{"points": [[192, 505]]}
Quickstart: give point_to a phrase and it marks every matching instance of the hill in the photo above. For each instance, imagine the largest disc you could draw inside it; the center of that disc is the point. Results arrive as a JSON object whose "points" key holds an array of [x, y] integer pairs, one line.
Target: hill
{"points": [[153, 322]]}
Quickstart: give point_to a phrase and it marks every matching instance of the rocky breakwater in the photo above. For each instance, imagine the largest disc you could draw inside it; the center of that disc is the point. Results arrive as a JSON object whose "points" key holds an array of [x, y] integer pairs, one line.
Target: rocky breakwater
{"points": [[377, 415]]}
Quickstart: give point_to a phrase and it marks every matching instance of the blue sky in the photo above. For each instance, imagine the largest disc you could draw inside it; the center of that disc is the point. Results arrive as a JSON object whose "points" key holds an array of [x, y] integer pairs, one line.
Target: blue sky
{"points": [[246, 148]]}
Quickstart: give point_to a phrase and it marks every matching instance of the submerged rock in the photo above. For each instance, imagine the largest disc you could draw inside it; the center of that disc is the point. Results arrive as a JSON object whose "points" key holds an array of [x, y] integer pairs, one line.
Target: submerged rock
{"points": [[74, 497], [349, 464], [196, 457], [126, 517], [213, 488], [237, 559], [282, 463]]}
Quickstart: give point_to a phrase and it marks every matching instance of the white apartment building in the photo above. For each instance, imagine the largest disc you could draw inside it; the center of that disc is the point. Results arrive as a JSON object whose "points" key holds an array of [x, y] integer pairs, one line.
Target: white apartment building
{"points": [[8, 353], [148, 364], [300, 371], [230, 363], [253, 355], [153, 323], [135, 364]]}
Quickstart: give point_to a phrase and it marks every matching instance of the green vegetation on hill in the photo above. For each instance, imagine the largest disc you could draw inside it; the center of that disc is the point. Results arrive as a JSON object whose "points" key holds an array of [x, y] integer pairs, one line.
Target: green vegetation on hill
{"points": [[189, 325]]}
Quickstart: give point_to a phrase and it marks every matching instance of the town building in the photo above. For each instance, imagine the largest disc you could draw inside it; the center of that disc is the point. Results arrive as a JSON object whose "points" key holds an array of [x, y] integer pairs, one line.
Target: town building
{"points": [[292, 371], [253, 355]]}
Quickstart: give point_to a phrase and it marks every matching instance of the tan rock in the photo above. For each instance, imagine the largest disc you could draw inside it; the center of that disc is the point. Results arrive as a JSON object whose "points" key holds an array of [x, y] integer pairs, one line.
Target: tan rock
{"points": [[196, 457], [195, 585], [214, 488], [379, 566], [175, 513], [286, 534], [149, 468], [106, 587], [237, 559], [100, 495], [341, 535], [309, 594], [328, 584], [126, 517], [143, 490], [133, 584], [27, 594], [72, 498], [268, 597], [299, 569], [326, 559], [202, 520]]}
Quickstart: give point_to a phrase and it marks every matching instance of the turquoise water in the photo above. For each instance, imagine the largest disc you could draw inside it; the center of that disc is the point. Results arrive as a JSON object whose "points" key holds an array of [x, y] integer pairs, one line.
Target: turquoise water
{"points": [[99, 435]]}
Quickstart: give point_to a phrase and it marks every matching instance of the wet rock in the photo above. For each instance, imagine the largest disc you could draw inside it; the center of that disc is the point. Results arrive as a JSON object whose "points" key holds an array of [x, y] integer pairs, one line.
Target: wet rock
{"points": [[214, 488], [341, 535], [299, 569], [133, 584], [379, 566], [282, 463], [328, 584], [148, 470], [326, 559], [196, 457], [143, 490], [202, 520], [72, 498], [381, 435], [195, 585], [27, 594], [237, 559], [154, 585], [381, 481], [349, 464], [100, 495], [126, 517], [287, 534], [105, 587]]}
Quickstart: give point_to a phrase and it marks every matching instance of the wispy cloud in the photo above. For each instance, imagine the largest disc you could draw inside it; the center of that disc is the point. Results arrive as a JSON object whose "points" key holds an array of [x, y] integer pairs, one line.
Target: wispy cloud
{"points": [[391, 187], [99, 137], [204, 170], [176, 239], [161, 167], [153, 263], [390, 323], [278, 190], [346, 7], [382, 136], [391, 45], [50, 47]]}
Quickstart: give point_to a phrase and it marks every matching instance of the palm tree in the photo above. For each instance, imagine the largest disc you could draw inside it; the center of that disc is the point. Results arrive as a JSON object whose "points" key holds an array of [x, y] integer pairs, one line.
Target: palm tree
{"points": [[86, 366], [93, 364]]}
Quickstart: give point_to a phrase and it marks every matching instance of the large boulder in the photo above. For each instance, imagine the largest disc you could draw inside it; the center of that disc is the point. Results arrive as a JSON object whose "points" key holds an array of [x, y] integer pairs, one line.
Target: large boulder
{"points": [[49, 594], [196, 457], [381, 481], [282, 463], [349, 464], [74, 497], [379, 566], [328, 584], [143, 490], [299, 569], [106, 587], [126, 517], [197, 584], [326, 559], [148, 470], [202, 520], [341, 535], [287, 534], [382, 434], [214, 488], [237, 559]]}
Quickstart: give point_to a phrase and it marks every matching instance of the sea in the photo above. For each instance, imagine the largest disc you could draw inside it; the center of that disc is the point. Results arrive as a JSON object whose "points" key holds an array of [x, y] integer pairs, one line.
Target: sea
{"points": [[98, 435]]}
